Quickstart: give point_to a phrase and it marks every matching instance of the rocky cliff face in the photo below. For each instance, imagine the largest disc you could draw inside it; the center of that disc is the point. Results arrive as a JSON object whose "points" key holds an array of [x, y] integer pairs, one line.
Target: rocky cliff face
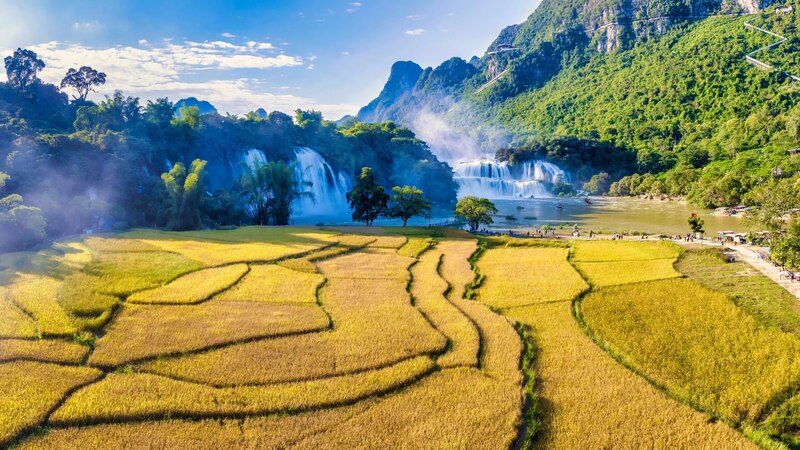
{"points": [[411, 88], [616, 24]]}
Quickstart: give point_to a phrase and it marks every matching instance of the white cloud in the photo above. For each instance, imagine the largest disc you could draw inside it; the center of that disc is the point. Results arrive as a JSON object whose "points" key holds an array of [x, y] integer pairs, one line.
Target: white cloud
{"points": [[354, 6], [416, 32], [414, 17], [91, 25], [143, 42], [159, 70], [228, 35]]}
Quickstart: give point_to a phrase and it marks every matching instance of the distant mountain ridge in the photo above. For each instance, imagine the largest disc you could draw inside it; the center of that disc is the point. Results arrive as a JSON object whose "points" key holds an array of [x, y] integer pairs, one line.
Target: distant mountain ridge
{"points": [[664, 80], [204, 106]]}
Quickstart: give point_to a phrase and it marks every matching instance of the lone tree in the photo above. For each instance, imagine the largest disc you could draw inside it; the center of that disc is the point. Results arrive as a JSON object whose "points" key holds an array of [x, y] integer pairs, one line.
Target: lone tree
{"points": [[475, 211], [83, 80], [407, 202], [368, 199], [696, 224], [186, 192], [23, 68]]}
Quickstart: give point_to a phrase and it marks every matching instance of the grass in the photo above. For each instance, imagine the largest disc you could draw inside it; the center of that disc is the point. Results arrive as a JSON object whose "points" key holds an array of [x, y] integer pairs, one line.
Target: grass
{"points": [[394, 242], [30, 390], [718, 359], [124, 273], [274, 284], [605, 251], [194, 287], [78, 295], [615, 273], [14, 323], [588, 400], [454, 408], [374, 325], [37, 296], [522, 276], [501, 348], [117, 244], [415, 247], [124, 397], [768, 303], [428, 289], [55, 351], [141, 332], [277, 431]]}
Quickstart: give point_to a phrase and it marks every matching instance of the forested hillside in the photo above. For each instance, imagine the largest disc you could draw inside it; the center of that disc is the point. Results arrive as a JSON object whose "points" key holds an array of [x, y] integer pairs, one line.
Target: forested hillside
{"points": [[68, 165], [670, 107]]}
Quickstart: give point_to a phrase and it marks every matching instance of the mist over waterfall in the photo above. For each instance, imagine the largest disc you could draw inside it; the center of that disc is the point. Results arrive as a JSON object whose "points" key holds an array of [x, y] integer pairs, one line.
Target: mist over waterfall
{"points": [[492, 179], [328, 188]]}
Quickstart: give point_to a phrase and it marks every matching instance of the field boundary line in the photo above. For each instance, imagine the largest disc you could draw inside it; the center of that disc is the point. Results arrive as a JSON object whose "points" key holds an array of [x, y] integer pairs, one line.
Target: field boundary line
{"points": [[167, 415], [210, 348], [31, 430]]}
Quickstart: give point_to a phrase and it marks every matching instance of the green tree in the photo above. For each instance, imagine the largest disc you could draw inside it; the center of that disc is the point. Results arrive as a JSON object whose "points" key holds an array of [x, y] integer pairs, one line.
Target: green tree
{"points": [[599, 184], [475, 211], [20, 226], [696, 224], [771, 201], [785, 248], [368, 199], [270, 189], [23, 68], [407, 202], [83, 80], [186, 193]]}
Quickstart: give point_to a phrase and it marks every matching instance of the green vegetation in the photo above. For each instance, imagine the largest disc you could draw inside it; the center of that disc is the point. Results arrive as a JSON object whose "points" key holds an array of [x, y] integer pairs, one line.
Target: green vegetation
{"points": [[760, 297], [368, 200], [407, 202], [48, 144], [475, 211]]}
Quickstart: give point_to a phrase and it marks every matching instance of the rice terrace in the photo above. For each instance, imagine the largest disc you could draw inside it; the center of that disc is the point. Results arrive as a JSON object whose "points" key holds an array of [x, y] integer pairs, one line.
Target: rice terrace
{"points": [[384, 337], [450, 224]]}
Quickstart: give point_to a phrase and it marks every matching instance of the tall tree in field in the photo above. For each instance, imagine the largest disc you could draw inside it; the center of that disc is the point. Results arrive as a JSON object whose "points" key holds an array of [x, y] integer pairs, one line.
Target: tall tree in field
{"points": [[407, 202], [23, 69], [270, 188], [368, 199], [475, 211], [83, 80], [186, 192]]}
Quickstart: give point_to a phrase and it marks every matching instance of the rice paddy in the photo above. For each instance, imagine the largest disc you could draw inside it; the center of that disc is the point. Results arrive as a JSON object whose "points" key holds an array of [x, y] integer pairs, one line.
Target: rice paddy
{"points": [[44, 350], [364, 337], [194, 287], [720, 359]]}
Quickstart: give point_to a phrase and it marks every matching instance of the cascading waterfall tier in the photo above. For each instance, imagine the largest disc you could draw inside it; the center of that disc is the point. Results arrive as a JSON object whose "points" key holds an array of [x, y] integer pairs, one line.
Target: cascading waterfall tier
{"points": [[328, 188], [494, 179]]}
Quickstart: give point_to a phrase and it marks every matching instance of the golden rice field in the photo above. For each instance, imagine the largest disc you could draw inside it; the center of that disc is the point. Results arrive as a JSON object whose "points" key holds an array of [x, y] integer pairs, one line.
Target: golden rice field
{"points": [[368, 337]]}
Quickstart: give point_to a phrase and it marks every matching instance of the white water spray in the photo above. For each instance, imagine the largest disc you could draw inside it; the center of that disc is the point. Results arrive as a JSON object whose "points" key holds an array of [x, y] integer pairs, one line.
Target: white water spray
{"points": [[492, 179]]}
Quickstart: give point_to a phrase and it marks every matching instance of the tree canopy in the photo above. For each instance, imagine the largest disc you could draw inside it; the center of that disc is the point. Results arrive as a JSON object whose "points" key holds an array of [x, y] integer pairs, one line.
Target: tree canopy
{"points": [[23, 69], [368, 199], [475, 211], [408, 202], [83, 80]]}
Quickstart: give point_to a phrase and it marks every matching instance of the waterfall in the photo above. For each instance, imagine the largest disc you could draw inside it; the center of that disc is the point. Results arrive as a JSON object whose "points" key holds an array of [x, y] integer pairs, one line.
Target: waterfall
{"points": [[492, 179], [253, 156], [328, 188]]}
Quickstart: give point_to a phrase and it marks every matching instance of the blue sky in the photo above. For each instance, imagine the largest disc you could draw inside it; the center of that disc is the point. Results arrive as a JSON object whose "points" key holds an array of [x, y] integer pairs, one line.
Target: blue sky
{"points": [[330, 55]]}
